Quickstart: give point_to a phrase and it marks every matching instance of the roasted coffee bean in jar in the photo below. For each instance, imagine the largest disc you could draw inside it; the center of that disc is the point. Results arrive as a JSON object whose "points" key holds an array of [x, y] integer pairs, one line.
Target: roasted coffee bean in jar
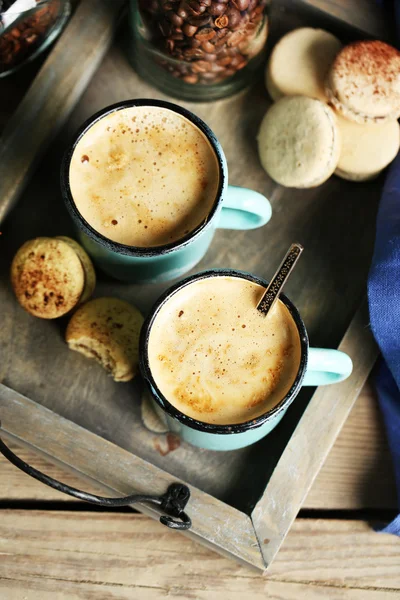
{"points": [[198, 49], [27, 27]]}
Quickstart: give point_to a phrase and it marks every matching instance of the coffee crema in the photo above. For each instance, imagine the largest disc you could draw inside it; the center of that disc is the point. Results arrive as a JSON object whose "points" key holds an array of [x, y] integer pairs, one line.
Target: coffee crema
{"points": [[216, 358], [144, 176]]}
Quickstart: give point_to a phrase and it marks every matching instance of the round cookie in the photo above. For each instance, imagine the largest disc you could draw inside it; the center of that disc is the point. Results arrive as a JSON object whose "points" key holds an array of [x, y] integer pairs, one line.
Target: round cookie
{"points": [[47, 277], [90, 274], [299, 63], [366, 149], [363, 83], [298, 142], [107, 329]]}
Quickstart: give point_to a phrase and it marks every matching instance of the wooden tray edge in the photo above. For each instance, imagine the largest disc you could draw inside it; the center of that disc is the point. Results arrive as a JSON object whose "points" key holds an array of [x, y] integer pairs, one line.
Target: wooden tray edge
{"points": [[315, 434], [100, 462]]}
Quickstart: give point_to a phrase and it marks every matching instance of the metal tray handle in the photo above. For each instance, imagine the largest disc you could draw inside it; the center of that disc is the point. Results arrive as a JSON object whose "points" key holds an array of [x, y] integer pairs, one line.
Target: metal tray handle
{"points": [[172, 502]]}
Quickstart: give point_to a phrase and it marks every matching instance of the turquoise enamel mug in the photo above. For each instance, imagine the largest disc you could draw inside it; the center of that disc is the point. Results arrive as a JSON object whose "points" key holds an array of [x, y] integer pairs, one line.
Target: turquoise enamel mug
{"points": [[318, 366], [233, 208]]}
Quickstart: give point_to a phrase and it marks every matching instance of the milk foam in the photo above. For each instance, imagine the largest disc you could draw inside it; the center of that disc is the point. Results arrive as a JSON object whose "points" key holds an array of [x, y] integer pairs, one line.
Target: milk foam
{"points": [[216, 358], [144, 176]]}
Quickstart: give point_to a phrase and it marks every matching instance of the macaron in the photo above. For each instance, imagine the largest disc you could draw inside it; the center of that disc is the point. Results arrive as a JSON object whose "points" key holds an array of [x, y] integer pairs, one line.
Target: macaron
{"points": [[88, 268], [107, 330], [299, 142], [366, 149], [299, 63], [363, 83], [47, 277]]}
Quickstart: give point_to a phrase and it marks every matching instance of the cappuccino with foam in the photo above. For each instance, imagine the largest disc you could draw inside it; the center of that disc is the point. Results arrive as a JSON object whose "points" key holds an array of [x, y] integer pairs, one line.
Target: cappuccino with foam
{"points": [[144, 176], [215, 358]]}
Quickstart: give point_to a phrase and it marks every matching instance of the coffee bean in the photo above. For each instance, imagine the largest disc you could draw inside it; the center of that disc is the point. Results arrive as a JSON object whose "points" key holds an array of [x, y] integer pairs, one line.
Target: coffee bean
{"points": [[194, 7], [191, 79], [174, 18], [207, 47], [236, 38], [191, 53], [205, 34], [189, 30], [183, 11], [241, 4], [221, 22], [196, 68], [217, 9], [224, 61], [194, 42], [199, 21], [234, 17], [169, 45], [210, 56], [209, 76]]}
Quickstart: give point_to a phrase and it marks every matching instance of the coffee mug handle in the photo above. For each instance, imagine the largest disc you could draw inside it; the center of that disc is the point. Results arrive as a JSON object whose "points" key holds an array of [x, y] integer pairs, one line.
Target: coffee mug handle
{"points": [[327, 366], [244, 209]]}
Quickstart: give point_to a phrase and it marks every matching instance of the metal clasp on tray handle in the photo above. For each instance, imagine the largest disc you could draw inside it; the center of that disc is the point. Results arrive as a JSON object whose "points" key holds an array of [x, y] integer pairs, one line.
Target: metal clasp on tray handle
{"points": [[172, 502]]}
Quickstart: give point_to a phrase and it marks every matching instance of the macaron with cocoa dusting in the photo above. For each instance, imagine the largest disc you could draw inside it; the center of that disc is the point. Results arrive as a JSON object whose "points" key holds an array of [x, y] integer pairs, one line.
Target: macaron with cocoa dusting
{"points": [[363, 83]]}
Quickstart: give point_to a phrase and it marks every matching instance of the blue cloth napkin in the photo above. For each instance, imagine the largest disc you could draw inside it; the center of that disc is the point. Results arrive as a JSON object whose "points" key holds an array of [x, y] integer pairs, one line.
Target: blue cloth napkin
{"points": [[384, 308]]}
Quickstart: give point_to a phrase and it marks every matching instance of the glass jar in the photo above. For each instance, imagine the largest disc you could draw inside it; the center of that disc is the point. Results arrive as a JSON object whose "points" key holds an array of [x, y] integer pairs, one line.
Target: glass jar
{"points": [[27, 27], [198, 49]]}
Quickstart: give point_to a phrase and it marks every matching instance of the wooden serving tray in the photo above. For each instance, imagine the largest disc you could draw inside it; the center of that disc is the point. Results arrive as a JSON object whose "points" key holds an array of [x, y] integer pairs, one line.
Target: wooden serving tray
{"points": [[66, 407]]}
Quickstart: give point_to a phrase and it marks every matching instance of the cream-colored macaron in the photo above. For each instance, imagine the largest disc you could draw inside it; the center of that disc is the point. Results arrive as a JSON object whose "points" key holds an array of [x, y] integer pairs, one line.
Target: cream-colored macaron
{"points": [[47, 277], [363, 83], [299, 142], [366, 149], [108, 329], [90, 274], [299, 63]]}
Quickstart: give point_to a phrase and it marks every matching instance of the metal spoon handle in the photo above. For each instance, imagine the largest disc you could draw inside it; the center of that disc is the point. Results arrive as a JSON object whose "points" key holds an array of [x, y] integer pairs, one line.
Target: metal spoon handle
{"points": [[279, 279]]}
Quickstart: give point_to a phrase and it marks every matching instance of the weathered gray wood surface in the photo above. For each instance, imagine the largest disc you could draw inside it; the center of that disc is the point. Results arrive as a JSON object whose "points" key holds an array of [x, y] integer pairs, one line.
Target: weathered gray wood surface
{"points": [[334, 222], [53, 94]]}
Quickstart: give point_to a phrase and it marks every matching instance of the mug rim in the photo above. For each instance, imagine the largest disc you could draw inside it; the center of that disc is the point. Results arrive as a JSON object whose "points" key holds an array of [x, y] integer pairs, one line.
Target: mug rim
{"points": [[213, 428], [125, 249]]}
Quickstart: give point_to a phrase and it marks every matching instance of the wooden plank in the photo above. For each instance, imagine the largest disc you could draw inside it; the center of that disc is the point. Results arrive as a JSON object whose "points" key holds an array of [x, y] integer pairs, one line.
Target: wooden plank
{"points": [[92, 457], [116, 556], [356, 475], [358, 471], [53, 94], [313, 438]]}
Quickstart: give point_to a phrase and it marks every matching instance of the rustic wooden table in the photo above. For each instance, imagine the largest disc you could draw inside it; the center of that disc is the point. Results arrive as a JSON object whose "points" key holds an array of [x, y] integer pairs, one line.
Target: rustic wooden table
{"points": [[54, 548]]}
